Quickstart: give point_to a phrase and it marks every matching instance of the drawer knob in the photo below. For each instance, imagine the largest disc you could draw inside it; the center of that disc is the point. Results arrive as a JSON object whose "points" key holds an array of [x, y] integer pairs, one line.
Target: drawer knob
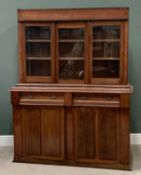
{"points": [[84, 98], [109, 98], [53, 97]]}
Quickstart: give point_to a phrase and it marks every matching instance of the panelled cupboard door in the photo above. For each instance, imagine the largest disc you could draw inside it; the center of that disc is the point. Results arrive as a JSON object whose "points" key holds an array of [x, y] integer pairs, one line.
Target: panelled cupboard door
{"points": [[43, 132], [85, 141], [52, 119], [31, 130], [108, 133], [96, 134]]}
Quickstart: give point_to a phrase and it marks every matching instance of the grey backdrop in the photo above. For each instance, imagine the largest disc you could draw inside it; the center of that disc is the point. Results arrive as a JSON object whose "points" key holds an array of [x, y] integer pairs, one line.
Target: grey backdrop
{"points": [[9, 56]]}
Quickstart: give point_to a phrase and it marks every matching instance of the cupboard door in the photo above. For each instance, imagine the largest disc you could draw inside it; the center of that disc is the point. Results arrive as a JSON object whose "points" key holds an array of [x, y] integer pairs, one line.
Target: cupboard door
{"points": [[96, 134], [84, 133], [106, 52], [43, 132], [52, 121], [71, 52], [31, 130], [39, 54], [108, 133]]}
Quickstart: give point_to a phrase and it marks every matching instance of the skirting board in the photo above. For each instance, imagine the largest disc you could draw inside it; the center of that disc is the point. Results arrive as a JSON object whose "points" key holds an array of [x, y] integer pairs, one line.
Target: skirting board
{"points": [[7, 140]]}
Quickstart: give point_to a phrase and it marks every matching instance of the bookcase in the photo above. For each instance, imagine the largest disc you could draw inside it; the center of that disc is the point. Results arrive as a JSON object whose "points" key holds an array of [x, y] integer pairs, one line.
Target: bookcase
{"points": [[72, 103]]}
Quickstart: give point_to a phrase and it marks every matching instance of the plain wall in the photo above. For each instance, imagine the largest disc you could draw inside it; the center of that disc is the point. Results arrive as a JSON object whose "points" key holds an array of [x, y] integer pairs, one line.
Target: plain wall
{"points": [[9, 53]]}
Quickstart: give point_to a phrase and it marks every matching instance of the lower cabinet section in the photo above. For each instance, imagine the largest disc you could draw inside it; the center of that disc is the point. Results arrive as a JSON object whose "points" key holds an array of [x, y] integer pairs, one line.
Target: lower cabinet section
{"points": [[90, 136], [42, 132]]}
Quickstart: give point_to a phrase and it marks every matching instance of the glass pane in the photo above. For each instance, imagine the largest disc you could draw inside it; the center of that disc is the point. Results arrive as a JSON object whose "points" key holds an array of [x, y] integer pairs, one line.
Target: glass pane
{"points": [[71, 69], [73, 49], [71, 33], [106, 49], [106, 32], [71, 53], [106, 69], [38, 67], [38, 49], [38, 32]]}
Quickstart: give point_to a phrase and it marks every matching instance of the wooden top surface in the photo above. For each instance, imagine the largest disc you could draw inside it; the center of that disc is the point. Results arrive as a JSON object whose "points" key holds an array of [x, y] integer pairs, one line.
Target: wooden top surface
{"points": [[73, 14], [125, 89]]}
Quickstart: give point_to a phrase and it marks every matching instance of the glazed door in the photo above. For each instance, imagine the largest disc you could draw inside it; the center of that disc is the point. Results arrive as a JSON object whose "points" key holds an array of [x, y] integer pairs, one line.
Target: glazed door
{"points": [[107, 52], [71, 52], [37, 42], [43, 132], [96, 134]]}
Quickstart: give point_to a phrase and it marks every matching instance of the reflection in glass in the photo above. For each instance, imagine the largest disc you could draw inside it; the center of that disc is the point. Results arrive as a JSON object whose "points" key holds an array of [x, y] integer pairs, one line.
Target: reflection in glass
{"points": [[106, 32], [38, 68], [71, 33], [106, 69], [73, 49], [70, 69], [106, 49], [71, 53], [38, 32]]}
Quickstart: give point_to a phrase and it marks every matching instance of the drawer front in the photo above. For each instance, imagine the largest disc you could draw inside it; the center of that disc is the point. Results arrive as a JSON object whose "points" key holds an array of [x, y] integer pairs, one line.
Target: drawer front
{"points": [[44, 98], [91, 99]]}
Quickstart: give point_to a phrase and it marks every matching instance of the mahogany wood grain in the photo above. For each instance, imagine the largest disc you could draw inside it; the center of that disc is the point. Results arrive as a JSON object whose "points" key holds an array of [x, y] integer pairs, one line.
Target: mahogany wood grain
{"points": [[73, 14], [84, 133], [108, 133], [52, 122], [124, 125], [31, 130], [70, 134], [18, 138]]}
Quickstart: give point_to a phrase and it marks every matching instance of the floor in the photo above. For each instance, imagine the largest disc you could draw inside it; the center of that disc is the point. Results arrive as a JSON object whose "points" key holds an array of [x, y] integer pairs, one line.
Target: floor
{"points": [[7, 167]]}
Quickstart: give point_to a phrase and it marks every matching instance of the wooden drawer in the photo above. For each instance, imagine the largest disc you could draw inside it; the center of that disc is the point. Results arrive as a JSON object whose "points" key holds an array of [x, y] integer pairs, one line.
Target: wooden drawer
{"points": [[91, 99], [44, 98]]}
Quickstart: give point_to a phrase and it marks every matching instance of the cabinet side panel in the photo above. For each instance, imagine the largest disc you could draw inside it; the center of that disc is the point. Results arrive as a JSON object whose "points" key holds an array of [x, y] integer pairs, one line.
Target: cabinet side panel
{"points": [[84, 133], [124, 136], [22, 66], [53, 132], [108, 133], [18, 149], [31, 130]]}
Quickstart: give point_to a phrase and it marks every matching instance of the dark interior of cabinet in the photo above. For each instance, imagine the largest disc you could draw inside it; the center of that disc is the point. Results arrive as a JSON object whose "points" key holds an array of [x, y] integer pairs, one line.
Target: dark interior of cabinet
{"points": [[38, 50], [106, 32], [38, 32], [70, 34], [38, 68], [106, 69]]}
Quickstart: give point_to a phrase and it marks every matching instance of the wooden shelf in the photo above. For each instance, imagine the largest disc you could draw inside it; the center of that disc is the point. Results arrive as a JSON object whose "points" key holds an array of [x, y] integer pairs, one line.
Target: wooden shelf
{"points": [[72, 58], [38, 58], [106, 58], [106, 40], [38, 40]]}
